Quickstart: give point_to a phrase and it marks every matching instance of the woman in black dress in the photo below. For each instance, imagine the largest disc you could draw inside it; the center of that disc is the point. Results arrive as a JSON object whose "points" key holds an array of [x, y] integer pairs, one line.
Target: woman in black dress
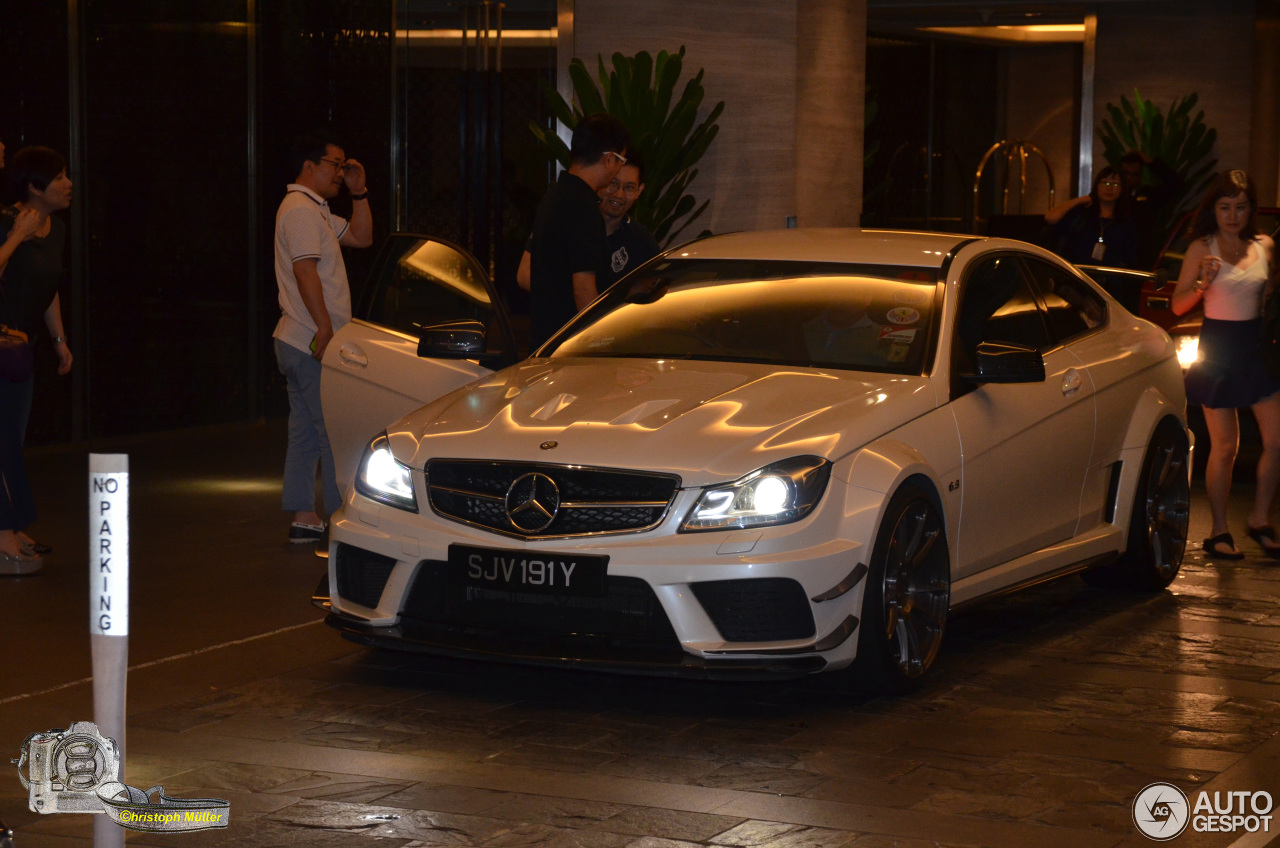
{"points": [[31, 269], [1228, 267]]}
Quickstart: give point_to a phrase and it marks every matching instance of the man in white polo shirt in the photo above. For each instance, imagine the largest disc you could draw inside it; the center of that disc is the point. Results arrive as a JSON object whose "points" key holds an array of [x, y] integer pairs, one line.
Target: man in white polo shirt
{"points": [[315, 302]]}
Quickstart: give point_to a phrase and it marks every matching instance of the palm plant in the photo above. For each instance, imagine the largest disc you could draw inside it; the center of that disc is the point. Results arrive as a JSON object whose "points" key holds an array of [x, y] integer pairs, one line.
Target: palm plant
{"points": [[1179, 140], [639, 91]]}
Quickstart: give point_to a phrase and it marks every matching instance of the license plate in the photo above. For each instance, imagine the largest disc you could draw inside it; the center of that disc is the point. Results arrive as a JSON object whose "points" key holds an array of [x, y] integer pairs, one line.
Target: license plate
{"points": [[535, 572]]}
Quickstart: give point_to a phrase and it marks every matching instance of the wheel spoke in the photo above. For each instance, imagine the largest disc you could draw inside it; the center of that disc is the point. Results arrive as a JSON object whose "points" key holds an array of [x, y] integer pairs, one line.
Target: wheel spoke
{"points": [[891, 618], [909, 655], [910, 549], [930, 538], [1166, 463]]}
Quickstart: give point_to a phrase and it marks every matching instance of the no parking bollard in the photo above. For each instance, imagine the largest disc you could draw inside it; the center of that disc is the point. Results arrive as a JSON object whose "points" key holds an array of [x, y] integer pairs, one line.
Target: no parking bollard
{"points": [[109, 609]]}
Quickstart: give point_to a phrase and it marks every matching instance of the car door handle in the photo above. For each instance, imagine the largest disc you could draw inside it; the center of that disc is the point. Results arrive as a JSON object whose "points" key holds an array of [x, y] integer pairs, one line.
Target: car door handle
{"points": [[353, 355], [1071, 382]]}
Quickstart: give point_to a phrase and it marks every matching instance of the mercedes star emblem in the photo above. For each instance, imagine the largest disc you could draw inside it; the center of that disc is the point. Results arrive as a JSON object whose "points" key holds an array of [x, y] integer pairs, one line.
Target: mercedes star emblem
{"points": [[532, 502]]}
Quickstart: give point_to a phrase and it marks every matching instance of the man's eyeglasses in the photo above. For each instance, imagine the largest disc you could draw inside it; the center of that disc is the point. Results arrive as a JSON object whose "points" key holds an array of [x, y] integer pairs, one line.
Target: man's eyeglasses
{"points": [[629, 189], [621, 158], [337, 165]]}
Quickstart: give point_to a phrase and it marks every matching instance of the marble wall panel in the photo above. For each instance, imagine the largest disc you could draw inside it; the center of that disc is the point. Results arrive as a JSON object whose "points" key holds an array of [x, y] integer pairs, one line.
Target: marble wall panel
{"points": [[1175, 48], [748, 49], [830, 111]]}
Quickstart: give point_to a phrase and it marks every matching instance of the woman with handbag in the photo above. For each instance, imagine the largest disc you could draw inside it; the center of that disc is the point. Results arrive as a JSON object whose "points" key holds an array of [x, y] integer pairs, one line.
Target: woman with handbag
{"points": [[31, 269], [1228, 266]]}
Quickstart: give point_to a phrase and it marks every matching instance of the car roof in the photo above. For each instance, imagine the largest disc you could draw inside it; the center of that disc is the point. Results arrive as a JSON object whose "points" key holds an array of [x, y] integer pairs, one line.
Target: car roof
{"points": [[873, 247]]}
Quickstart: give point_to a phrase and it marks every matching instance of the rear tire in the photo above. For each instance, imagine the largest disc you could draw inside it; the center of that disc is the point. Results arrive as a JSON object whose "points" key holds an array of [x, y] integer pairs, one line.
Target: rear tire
{"points": [[1160, 518], [904, 607]]}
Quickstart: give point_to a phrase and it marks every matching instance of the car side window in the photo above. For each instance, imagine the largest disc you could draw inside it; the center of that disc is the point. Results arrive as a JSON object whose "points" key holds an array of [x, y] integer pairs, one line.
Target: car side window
{"points": [[997, 306], [429, 283], [1073, 307]]}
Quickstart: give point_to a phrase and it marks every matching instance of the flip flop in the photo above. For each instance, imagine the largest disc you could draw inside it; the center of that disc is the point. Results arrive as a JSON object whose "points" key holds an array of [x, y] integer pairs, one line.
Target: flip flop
{"points": [[1271, 546], [1211, 547]]}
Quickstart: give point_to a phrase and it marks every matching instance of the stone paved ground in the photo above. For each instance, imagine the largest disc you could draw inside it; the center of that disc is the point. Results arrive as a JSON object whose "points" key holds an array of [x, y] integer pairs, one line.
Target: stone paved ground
{"points": [[1049, 711]]}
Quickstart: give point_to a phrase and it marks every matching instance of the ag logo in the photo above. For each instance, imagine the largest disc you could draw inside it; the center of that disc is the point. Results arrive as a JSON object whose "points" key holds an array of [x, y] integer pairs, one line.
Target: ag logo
{"points": [[1160, 811]]}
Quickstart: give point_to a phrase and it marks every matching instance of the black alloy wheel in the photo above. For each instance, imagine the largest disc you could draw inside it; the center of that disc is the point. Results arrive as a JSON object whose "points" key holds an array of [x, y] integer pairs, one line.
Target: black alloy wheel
{"points": [[908, 593]]}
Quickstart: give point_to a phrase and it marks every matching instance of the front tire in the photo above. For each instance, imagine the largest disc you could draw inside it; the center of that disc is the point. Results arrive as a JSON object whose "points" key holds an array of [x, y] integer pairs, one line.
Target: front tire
{"points": [[908, 593]]}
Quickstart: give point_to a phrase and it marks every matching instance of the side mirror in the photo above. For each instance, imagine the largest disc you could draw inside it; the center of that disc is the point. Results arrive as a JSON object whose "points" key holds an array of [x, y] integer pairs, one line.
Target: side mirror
{"points": [[455, 340], [998, 362]]}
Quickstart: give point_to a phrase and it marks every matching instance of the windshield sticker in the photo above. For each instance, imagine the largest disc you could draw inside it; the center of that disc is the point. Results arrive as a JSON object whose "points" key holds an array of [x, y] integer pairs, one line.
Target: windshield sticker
{"points": [[898, 352], [897, 335], [912, 295], [903, 315], [922, 276]]}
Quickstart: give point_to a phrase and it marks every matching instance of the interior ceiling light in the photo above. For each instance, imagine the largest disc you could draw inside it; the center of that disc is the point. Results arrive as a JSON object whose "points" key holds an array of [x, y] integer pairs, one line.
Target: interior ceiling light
{"points": [[449, 37], [1024, 34]]}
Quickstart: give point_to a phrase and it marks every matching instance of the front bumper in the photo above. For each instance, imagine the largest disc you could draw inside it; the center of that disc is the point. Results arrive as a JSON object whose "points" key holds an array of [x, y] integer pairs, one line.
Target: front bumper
{"points": [[457, 643], [777, 602]]}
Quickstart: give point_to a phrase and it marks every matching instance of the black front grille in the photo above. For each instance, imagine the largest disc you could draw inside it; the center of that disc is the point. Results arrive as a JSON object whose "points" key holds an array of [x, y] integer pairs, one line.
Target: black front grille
{"points": [[589, 500], [629, 615], [362, 575], [769, 609]]}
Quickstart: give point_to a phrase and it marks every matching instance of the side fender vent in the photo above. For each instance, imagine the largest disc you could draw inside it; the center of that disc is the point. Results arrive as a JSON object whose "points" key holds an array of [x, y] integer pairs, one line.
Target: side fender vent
{"points": [[1113, 491]]}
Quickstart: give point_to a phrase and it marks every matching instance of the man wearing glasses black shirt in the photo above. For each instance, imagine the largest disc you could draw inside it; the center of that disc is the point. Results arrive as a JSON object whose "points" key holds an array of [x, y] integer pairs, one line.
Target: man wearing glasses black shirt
{"points": [[568, 242], [628, 245]]}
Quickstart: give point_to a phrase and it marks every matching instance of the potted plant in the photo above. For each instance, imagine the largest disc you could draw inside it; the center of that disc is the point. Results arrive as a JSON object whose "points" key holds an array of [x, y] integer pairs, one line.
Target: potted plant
{"points": [[639, 91]]}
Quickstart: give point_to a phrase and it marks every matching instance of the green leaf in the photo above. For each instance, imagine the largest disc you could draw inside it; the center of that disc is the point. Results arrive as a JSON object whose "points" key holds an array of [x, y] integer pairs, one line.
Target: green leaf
{"points": [[584, 89], [1181, 141], [671, 133], [562, 111]]}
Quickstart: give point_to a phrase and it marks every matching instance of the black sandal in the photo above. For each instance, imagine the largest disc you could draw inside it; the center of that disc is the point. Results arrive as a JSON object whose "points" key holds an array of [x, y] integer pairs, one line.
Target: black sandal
{"points": [[1270, 547], [1211, 547]]}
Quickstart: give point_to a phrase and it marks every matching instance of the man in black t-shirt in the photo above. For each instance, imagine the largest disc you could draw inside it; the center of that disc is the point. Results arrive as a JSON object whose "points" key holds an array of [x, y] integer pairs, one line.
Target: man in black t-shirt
{"points": [[628, 245], [568, 243]]}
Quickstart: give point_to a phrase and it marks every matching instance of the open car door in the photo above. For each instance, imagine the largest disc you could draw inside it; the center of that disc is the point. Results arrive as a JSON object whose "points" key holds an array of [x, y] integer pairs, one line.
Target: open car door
{"points": [[372, 371]]}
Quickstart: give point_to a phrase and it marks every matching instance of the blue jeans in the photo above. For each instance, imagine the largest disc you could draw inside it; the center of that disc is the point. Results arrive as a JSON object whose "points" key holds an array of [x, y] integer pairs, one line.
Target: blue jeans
{"points": [[17, 505], [308, 439]]}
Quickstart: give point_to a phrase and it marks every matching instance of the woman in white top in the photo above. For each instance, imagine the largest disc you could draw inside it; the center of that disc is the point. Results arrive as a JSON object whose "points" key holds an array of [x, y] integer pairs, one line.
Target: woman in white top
{"points": [[1228, 266]]}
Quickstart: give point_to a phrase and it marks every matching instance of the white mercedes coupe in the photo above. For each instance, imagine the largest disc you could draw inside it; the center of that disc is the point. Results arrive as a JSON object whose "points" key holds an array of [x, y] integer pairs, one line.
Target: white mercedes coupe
{"points": [[760, 454]]}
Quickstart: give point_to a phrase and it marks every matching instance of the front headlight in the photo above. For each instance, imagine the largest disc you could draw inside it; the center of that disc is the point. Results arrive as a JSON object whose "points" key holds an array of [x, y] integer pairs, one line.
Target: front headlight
{"points": [[776, 494], [382, 477]]}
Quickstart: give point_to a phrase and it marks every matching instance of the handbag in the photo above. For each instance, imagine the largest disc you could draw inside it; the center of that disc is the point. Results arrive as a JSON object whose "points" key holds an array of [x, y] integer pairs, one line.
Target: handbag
{"points": [[1270, 342], [16, 359]]}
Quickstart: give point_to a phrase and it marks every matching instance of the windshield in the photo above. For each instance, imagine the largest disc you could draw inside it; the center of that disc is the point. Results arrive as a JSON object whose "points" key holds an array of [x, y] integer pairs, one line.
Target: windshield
{"points": [[825, 315]]}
